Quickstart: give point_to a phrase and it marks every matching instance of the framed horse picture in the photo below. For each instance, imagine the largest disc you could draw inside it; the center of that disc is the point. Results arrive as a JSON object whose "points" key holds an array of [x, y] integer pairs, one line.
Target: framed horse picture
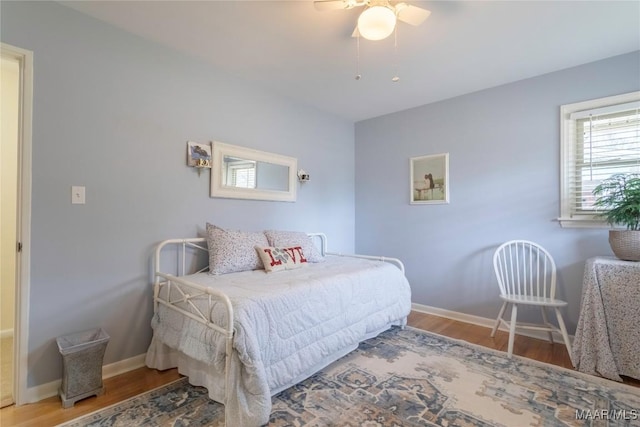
{"points": [[429, 179]]}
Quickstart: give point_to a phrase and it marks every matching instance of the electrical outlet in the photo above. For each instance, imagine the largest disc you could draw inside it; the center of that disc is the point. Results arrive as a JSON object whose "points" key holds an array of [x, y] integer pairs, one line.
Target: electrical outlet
{"points": [[77, 195]]}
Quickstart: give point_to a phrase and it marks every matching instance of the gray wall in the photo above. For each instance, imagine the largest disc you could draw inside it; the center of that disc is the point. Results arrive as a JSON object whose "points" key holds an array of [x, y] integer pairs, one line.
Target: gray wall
{"points": [[113, 112], [504, 181]]}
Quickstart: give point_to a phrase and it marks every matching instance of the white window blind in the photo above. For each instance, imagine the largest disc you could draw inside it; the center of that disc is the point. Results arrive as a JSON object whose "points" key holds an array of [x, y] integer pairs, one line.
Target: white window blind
{"points": [[600, 138], [242, 174]]}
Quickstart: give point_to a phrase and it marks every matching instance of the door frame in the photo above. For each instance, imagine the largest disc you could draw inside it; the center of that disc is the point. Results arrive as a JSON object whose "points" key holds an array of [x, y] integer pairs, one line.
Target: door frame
{"points": [[23, 231]]}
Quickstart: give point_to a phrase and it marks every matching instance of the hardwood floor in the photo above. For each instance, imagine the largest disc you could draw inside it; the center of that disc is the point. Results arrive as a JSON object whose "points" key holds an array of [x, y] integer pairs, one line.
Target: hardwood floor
{"points": [[49, 412], [531, 348], [6, 371]]}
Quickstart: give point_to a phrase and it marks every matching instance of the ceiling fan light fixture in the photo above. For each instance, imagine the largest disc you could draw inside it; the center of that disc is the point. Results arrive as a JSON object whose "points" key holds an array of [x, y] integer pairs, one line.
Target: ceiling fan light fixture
{"points": [[376, 23]]}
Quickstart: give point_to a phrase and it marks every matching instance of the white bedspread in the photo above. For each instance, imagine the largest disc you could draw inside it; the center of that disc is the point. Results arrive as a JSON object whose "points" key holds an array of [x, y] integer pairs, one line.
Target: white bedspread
{"points": [[287, 325]]}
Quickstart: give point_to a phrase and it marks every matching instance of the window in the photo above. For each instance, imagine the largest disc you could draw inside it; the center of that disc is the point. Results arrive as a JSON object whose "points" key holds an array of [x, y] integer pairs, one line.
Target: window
{"points": [[599, 138], [242, 174]]}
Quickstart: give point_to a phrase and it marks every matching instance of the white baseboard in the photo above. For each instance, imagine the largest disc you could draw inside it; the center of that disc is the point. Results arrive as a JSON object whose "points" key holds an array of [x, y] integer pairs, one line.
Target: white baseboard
{"points": [[483, 321], [123, 366], [43, 391], [6, 333]]}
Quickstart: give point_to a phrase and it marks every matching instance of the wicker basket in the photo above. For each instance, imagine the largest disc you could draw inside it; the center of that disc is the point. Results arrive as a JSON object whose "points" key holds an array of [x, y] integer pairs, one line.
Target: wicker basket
{"points": [[625, 244]]}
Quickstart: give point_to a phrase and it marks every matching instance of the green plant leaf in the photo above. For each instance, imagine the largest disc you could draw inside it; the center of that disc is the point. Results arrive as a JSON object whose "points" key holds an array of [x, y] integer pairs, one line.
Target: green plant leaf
{"points": [[618, 199]]}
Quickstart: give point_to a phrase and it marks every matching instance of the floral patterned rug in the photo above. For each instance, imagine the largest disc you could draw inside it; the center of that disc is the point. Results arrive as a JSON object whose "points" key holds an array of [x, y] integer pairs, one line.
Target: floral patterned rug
{"points": [[407, 378]]}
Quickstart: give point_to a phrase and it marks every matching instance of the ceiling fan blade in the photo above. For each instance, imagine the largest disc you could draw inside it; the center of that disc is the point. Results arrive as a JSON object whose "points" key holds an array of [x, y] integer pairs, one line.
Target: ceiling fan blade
{"points": [[411, 14], [323, 5]]}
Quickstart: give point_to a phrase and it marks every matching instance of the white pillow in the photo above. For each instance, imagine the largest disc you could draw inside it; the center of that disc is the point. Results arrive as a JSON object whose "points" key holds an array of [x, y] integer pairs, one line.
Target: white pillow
{"points": [[231, 250], [295, 238]]}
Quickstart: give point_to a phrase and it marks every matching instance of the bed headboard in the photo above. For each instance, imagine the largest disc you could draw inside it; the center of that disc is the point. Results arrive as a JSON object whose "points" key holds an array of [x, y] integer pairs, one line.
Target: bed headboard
{"points": [[191, 254]]}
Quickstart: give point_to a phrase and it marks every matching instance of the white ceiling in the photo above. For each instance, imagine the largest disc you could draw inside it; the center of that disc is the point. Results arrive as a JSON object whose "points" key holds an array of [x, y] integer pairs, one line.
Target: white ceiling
{"points": [[290, 48]]}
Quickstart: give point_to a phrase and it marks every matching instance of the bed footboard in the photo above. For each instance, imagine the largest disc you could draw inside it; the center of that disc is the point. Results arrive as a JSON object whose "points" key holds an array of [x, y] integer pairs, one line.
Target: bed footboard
{"points": [[394, 261], [187, 291], [323, 250]]}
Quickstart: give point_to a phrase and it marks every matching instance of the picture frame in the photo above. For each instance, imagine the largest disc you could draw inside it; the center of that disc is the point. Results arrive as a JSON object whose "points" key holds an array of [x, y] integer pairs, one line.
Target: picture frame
{"points": [[429, 179], [198, 155]]}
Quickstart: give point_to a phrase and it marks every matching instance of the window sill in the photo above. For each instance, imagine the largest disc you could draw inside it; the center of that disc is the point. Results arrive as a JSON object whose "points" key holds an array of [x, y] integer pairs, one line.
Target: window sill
{"points": [[586, 222]]}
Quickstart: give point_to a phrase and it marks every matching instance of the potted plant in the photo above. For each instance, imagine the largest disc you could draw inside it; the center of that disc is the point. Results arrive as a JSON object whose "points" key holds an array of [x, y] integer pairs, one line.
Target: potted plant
{"points": [[619, 197]]}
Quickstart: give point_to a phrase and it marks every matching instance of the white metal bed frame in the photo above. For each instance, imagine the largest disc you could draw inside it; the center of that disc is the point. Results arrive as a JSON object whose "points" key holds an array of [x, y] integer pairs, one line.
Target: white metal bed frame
{"points": [[188, 291]]}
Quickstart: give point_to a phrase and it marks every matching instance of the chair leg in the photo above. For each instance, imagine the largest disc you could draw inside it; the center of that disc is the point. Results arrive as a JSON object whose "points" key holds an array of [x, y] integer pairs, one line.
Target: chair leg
{"points": [[546, 322], [512, 329], [495, 326], [565, 335]]}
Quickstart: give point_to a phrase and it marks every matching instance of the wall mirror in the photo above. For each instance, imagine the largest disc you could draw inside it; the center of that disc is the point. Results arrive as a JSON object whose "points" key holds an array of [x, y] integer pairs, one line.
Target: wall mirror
{"points": [[245, 173]]}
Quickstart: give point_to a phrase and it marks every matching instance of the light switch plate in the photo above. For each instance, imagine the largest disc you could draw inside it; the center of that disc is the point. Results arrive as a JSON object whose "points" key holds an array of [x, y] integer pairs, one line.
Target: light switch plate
{"points": [[77, 195]]}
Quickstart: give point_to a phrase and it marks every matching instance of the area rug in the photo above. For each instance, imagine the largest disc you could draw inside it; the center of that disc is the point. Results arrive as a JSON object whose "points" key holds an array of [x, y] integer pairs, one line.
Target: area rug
{"points": [[407, 378]]}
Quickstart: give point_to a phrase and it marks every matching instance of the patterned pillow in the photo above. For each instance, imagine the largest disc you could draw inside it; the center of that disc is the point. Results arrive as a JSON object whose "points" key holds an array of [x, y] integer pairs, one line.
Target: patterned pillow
{"points": [[295, 238], [276, 259], [231, 251]]}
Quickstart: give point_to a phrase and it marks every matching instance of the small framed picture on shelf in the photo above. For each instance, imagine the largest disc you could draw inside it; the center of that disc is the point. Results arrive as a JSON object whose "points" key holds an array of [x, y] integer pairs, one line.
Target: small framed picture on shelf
{"points": [[429, 179], [198, 155]]}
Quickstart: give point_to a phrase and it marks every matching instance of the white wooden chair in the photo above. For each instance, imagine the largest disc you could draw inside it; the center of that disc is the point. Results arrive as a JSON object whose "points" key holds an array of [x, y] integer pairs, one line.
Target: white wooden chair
{"points": [[526, 275]]}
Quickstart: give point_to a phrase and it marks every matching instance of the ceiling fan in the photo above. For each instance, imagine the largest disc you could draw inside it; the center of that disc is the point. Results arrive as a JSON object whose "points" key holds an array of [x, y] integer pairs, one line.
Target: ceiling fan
{"points": [[378, 20]]}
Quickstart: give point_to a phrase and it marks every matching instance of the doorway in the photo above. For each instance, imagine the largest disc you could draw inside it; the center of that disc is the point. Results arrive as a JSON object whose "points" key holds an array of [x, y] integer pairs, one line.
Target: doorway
{"points": [[16, 84]]}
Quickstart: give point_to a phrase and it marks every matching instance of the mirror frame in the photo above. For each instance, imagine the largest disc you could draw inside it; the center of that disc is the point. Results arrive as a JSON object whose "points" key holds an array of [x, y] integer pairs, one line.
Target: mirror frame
{"points": [[218, 189]]}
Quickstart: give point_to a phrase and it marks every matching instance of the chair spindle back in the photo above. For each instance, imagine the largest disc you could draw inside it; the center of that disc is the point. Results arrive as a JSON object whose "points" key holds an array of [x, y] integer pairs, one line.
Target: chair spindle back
{"points": [[525, 268]]}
